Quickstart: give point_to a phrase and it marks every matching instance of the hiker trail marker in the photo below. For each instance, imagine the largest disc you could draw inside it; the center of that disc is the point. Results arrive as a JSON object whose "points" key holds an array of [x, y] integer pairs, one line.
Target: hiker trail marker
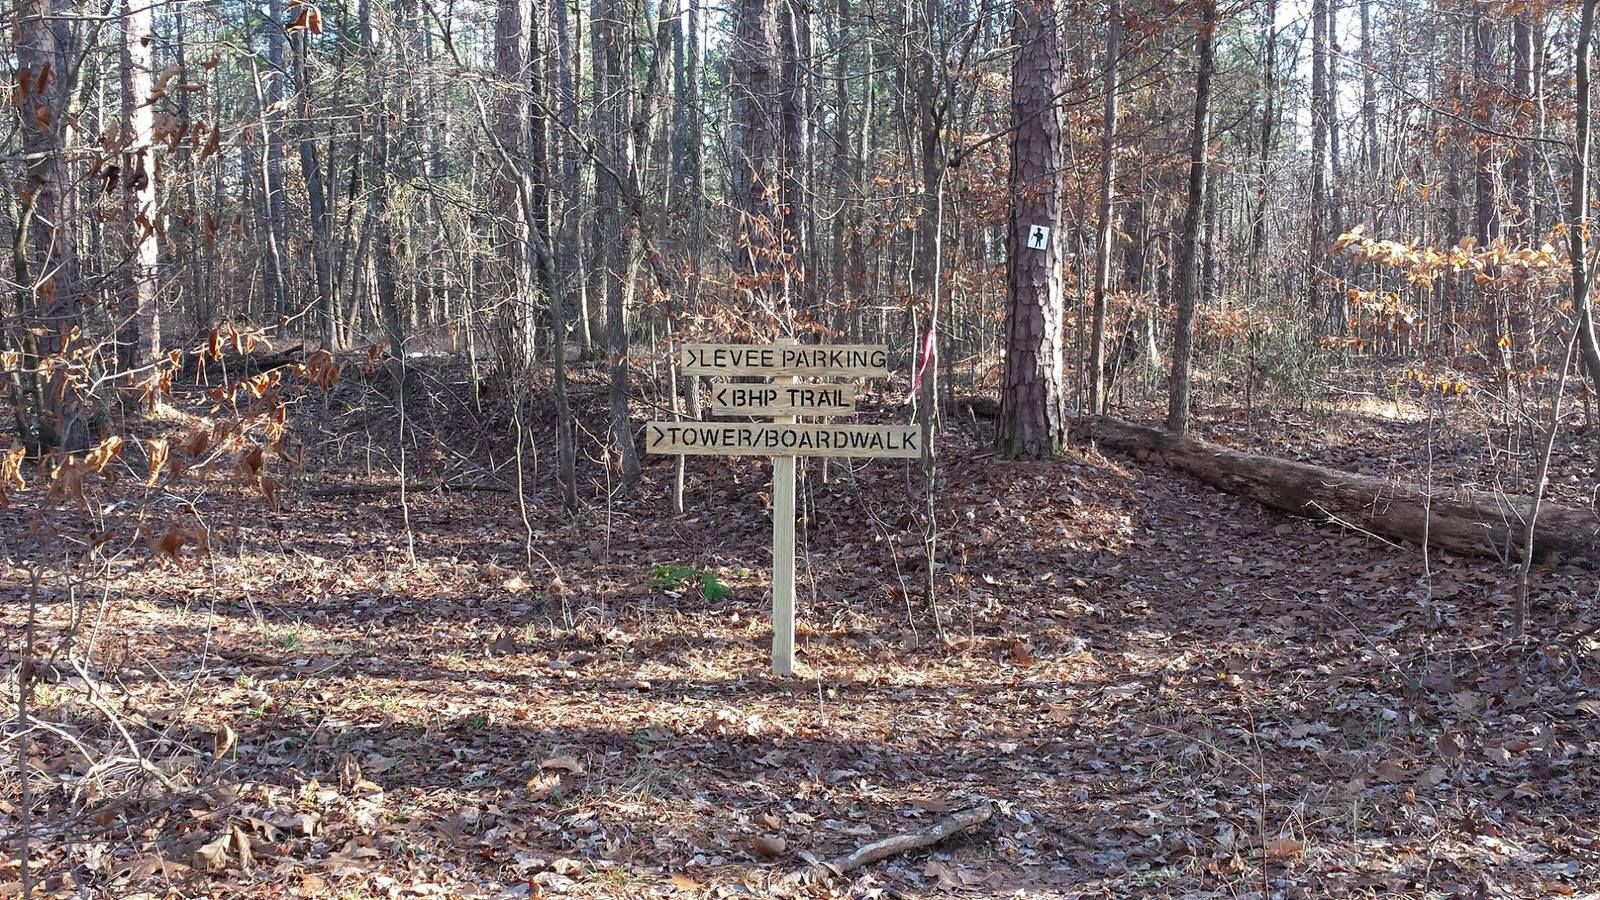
{"points": [[784, 399]]}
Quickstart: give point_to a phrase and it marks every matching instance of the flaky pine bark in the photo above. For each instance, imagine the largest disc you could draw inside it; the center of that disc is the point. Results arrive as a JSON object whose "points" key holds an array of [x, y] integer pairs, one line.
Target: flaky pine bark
{"points": [[139, 332], [1185, 293], [1108, 188], [1032, 402]]}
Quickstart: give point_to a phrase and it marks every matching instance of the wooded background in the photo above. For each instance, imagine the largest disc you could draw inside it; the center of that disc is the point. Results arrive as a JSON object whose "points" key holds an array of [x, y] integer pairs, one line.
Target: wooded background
{"points": [[329, 565], [1259, 189]]}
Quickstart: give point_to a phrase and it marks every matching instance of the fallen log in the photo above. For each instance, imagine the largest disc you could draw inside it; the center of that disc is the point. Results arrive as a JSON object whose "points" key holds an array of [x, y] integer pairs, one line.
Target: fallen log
{"points": [[953, 824], [236, 365], [1474, 523]]}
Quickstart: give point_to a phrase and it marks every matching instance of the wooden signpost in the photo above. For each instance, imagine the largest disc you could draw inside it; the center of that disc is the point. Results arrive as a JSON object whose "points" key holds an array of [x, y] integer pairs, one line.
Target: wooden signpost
{"points": [[784, 400]]}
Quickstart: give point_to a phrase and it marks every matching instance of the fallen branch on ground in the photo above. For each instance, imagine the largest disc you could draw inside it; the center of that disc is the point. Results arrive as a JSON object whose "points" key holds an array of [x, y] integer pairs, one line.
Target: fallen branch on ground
{"points": [[952, 824]]}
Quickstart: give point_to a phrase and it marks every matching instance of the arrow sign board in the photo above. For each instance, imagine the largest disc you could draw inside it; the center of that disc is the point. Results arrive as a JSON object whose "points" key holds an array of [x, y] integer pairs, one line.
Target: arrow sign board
{"points": [[841, 360], [782, 399], [745, 439]]}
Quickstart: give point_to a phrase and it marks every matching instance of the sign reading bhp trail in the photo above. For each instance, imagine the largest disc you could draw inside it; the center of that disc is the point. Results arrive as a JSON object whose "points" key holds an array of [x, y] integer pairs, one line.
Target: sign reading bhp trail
{"points": [[836, 360], [784, 399]]}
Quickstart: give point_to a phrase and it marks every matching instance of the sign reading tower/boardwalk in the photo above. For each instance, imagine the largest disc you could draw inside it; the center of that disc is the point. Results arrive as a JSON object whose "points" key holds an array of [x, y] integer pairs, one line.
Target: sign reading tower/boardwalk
{"points": [[784, 400], [723, 439]]}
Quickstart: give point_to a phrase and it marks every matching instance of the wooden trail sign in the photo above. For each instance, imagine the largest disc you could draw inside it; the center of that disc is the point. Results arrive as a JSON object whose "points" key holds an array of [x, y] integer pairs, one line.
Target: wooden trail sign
{"points": [[774, 360], [784, 399], [762, 439]]}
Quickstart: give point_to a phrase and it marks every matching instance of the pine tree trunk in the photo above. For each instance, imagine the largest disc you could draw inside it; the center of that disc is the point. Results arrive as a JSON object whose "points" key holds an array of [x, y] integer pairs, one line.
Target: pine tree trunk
{"points": [[1032, 401]]}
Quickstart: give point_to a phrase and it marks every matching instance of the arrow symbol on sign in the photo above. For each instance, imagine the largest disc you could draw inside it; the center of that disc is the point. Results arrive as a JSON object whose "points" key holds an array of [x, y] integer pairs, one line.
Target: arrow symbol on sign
{"points": [[720, 396]]}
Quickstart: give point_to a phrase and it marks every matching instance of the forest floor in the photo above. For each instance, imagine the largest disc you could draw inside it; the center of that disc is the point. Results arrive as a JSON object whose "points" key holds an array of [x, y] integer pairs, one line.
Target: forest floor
{"points": [[1161, 690]]}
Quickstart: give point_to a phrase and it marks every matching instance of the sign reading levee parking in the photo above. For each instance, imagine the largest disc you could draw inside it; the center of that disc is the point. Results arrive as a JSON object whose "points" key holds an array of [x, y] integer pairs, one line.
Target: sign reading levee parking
{"points": [[782, 399], [735, 439], [842, 360]]}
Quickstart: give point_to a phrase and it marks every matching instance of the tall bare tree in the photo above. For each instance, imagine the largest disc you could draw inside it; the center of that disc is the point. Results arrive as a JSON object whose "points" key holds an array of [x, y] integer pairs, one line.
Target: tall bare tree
{"points": [[756, 162], [1108, 188], [140, 333], [1184, 292]]}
